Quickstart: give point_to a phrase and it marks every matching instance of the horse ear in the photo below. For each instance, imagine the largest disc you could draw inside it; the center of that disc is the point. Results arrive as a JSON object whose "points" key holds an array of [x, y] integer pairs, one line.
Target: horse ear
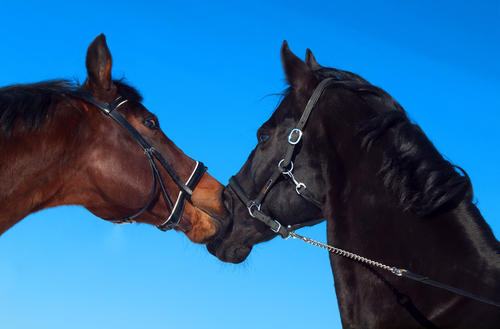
{"points": [[311, 61], [99, 63], [298, 74]]}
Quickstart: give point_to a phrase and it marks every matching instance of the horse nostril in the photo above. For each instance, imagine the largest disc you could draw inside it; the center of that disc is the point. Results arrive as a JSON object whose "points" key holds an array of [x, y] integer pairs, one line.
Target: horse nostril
{"points": [[231, 254], [237, 254]]}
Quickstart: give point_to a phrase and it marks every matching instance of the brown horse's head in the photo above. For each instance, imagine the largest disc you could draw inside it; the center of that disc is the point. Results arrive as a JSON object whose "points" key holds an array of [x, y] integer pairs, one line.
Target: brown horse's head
{"points": [[59, 147], [114, 176]]}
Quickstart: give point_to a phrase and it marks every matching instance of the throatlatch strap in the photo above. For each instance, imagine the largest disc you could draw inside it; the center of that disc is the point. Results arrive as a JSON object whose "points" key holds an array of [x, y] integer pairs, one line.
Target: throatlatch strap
{"points": [[306, 194]]}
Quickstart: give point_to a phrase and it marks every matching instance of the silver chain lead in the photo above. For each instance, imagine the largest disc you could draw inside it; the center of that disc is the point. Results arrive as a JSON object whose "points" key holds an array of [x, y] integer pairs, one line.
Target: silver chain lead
{"points": [[347, 254]]}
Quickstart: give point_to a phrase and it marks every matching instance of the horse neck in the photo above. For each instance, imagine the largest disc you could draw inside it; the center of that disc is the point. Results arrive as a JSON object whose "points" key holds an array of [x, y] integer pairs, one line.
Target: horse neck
{"points": [[363, 213], [37, 167], [367, 222], [456, 248], [363, 216]]}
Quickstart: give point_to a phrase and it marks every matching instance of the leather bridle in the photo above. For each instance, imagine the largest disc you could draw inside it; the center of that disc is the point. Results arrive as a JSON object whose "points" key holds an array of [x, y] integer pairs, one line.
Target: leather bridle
{"points": [[284, 168], [185, 189]]}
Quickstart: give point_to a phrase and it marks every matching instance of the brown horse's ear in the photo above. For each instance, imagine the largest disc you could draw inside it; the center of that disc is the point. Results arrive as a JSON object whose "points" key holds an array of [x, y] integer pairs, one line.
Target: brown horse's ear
{"points": [[311, 61], [99, 64], [298, 74]]}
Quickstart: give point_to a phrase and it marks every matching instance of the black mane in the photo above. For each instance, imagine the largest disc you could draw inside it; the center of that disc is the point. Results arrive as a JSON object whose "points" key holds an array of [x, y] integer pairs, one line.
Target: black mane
{"points": [[413, 169], [423, 181], [33, 105]]}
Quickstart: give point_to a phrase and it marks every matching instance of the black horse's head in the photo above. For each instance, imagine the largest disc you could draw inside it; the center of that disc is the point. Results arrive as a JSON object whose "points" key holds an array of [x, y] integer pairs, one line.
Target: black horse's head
{"points": [[356, 132], [282, 201]]}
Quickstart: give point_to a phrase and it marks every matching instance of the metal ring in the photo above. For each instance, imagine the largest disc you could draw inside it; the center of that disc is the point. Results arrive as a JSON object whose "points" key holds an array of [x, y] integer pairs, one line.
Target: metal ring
{"points": [[290, 136], [299, 186], [250, 207], [289, 229], [397, 271], [288, 171]]}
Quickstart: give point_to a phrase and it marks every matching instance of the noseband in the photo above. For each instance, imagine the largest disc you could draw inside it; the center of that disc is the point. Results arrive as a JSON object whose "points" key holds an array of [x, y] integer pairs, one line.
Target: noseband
{"points": [[284, 168], [185, 189]]}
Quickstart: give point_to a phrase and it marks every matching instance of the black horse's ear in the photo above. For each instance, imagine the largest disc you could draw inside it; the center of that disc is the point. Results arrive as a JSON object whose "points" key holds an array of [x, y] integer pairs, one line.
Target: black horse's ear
{"points": [[99, 63], [298, 74], [311, 61]]}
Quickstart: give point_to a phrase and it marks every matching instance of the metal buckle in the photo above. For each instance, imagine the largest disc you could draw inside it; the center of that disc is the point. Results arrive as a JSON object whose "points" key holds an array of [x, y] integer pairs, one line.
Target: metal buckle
{"points": [[106, 108], [292, 132], [279, 226], [250, 207]]}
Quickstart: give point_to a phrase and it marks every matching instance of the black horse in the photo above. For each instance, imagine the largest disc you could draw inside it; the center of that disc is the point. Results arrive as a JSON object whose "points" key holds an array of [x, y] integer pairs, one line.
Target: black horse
{"points": [[386, 194]]}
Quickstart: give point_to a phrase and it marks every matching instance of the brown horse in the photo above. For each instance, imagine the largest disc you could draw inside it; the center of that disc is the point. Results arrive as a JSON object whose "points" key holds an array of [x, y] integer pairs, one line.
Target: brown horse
{"points": [[60, 148]]}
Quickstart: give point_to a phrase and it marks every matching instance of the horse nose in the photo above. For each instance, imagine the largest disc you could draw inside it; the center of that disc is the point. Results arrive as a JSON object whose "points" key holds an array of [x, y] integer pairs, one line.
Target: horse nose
{"points": [[227, 252]]}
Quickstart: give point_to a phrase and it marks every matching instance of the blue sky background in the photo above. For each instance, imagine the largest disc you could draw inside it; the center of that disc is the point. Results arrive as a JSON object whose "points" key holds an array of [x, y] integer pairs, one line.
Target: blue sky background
{"points": [[208, 66]]}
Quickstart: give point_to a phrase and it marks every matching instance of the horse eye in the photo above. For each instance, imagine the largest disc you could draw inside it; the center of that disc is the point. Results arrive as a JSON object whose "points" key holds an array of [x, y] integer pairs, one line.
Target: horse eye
{"points": [[263, 137], [151, 123]]}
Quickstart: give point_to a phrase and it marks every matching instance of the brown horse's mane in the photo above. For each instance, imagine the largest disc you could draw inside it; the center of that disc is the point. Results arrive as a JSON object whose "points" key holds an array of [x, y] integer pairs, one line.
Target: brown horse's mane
{"points": [[30, 106]]}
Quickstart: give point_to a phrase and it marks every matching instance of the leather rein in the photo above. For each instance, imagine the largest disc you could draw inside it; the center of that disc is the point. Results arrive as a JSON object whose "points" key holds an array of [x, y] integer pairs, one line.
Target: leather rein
{"points": [[185, 189]]}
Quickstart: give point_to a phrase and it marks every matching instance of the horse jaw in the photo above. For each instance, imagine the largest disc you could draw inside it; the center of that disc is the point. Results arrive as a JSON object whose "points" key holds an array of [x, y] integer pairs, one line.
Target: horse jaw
{"points": [[206, 210]]}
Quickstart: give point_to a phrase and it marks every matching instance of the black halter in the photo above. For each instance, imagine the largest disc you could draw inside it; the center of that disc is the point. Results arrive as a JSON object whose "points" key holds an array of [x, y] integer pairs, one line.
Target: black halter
{"points": [[284, 167], [185, 189]]}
